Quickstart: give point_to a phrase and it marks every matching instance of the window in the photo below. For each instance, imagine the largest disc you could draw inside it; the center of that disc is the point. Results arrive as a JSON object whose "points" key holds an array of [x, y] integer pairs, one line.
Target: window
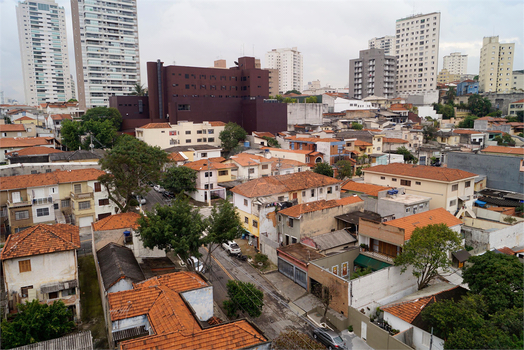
{"points": [[222, 173], [245, 202], [330, 190], [25, 291], [303, 193], [468, 184], [246, 220], [251, 170], [255, 223], [24, 265], [188, 140], [203, 155], [188, 132], [67, 292], [417, 183], [336, 188], [265, 167], [208, 174], [103, 202], [312, 192], [84, 205], [42, 212], [65, 203], [290, 222], [405, 183], [98, 187], [56, 206], [53, 295], [211, 139], [281, 198], [455, 187], [77, 188], [453, 203], [394, 179], [22, 215]]}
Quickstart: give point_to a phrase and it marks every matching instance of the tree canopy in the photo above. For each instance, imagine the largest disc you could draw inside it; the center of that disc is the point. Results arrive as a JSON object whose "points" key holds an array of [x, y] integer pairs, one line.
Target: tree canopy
{"points": [[71, 132], [311, 99], [429, 132], [450, 95], [176, 228], [427, 251], [231, 136], [130, 165], [446, 110], [324, 169], [357, 126], [468, 122], [504, 140], [244, 297], [345, 169], [294, 91], [36, 322], [139, 90], [104, 113], [478, 105], [179, 179], [408, 156], [271, 142]]}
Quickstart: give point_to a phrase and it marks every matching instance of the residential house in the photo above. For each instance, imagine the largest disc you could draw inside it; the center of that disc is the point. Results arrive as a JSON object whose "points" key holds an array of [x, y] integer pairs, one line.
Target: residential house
{"points": [[195, 152], [392, 144], [451, 189], [36, 154], [303, 156], [250, 166], [10, 144], [447, 137], [514, 107], [175, 311], [259, 139], [490, 123], [281, 166], [256, 200], [184, 133], [327, 150], [386, 239], [54, 122], [501, 150], [471, 139], [41, 263], [70, 108], [208, 172], [17, 130], [79, 156], [27, 120], [352, 187], [467, 87]]}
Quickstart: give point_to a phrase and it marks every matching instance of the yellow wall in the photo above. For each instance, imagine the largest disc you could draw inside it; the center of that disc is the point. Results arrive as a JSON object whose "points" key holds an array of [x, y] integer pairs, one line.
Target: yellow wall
{"points": [[249, 226], [224, 178]]}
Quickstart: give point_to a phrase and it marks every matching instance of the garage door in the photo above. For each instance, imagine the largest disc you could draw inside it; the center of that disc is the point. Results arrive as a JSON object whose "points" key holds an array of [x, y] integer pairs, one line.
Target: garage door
{"points": [[85, 221]]}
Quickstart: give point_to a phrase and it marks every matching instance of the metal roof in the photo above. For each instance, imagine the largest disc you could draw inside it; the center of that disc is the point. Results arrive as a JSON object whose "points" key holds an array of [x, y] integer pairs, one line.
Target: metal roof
{"points": [[333, 239], [118, 262], [77, 341], [354, 217]]}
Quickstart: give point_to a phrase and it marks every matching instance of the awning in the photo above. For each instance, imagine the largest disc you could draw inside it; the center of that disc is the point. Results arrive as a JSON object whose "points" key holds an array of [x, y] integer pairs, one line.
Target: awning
{"points": [[365, 261], [461, 255], [464, 198], [480, 203]]}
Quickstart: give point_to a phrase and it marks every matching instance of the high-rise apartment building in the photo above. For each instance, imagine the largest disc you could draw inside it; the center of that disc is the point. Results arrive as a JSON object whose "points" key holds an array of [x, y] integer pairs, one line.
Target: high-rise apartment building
{"points": [[106, 49], [289, 65], [43, 48], [386, 43], [372, 74], [456, 63], [496, 65], [416, 49]]}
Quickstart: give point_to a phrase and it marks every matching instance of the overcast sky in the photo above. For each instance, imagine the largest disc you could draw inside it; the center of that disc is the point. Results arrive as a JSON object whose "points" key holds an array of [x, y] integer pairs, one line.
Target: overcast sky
{"points": [[327, 33]]}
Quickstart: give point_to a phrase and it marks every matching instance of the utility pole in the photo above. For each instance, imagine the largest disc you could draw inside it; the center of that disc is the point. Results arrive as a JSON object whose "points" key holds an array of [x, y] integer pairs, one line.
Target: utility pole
{"points": [[208, 184]]}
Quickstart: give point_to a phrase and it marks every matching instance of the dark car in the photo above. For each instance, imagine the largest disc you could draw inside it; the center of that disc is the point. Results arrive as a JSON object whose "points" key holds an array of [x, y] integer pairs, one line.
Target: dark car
{"points": [[168, 195], [329, 338]]}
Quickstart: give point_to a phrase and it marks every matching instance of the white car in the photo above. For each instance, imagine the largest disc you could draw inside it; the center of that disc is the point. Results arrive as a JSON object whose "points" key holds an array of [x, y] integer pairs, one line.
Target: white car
{"points": [[197, 265], [231, 247], [158, 188], [141, 200]]}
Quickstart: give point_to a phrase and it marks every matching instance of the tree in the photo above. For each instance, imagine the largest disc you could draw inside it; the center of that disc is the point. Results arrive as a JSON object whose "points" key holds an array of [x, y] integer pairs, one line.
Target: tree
{"points": [[447, 111], [290, 100], [179, 179], [36, 322], [231, 135], [223, 225], [356, 126], [176, 228], [294, 340], [271, 142], [427, 251], [429, 132], [139, 90], [130, 165], [103, 131], [450, 95], [294, 91], [103, 113], [497, 277], [7, 120], [505, 140], [478, 105], [245, 297], [345, 169], [71, 100], [311, 99], [408, 156], [519, 118], [71, 132], [326, 294], [468, 122], [324, 169]]}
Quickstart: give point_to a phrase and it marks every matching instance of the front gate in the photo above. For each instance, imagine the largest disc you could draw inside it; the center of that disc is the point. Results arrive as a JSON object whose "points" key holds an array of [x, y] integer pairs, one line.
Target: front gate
{"points": [[297, 275]]}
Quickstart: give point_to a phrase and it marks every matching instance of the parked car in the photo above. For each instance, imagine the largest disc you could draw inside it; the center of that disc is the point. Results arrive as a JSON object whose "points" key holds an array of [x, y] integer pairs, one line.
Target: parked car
{"points": [[231, 247], [141, 199], [196, 264], [329, 338], [168, 195], [158, 188]]}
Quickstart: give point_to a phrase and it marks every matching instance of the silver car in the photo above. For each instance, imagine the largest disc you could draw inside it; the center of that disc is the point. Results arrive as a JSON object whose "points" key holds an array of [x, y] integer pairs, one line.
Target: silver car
{"points": [[231, 247], [329, 338]]}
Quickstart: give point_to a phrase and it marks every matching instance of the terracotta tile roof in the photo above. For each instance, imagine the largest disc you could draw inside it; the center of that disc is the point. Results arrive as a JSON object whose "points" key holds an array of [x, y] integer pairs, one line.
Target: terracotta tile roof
{"points": [[11, 127], [393, 140], [493, 119], [205, 164], [156, 126], [117, 221], [311, 139], [502, 149], [34, 151], [25, 118], [61, 116], [506, 250], [217, 123], [519, 101], [435, 216], [217, 159], [41, 239], [46, 179], [466, 132], [362, 143], [284, 163], [373, 130], [182, 282], [269, 185], [297, 210], [177, 157], [369, 189], [246, 159], [421, 171], [12, 142], [298, 151], [262, 134]]}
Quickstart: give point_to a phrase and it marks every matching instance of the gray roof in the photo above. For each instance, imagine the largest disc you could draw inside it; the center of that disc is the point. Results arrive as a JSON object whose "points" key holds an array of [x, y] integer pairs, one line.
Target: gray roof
{"points": [[77, 341], [333, 239], [362, 135], [76, 155], [190, 148], [353, 217], [118, 262], [461, 255]]}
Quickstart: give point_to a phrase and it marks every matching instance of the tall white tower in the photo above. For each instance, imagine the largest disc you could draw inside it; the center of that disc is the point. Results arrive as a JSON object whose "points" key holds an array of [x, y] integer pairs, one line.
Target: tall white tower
{"points": [[496, 65], [456, 63], [289, 64], [416, 47], [106, 49], [43, 48]]}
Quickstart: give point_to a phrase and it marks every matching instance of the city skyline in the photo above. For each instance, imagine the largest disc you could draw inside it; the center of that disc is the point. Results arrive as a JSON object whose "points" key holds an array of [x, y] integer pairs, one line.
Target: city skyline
{"points": [[327, 37]]}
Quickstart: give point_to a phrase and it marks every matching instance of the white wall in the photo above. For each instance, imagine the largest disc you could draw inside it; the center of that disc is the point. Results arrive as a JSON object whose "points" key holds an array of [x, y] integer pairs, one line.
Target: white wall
{"points": [[238, 201], [341, 105], [305, 113], [212, 153], [418, 334], [122, 285], [428, 111], [201, 301], [142, 252]]}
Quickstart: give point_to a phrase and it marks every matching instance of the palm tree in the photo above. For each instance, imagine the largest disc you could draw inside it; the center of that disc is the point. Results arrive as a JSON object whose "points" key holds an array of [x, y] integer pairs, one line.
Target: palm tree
{"points": [[450, 95], [139, 90]]}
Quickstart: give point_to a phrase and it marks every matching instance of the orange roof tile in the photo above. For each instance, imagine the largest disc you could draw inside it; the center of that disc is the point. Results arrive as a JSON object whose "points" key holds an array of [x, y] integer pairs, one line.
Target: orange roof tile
{"points": [[502, 149], [246, 159], [11, 127], [46, 179], [393, 140], [117, 221], [435, 216], [25, 118], [269, 185], [13, 142], [297, 210], [369, 189], [217, 123], [29, 151], [156, 126], [61, 117], [466, 132], [519, 101], [373, 130], [362, 143], [421, 171], [205, 164], [177, 157], [311, 139], [493, 119], [262, 134], [284, 163], [506, 250], [41, 239], [408, 310], [298, 151]]}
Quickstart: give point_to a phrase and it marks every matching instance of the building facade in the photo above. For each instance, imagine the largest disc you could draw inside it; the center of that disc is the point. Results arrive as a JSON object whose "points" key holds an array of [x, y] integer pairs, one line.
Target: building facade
{"points": [[373, 73], [416, 48], [518, 80], [456, 63], [385, 43], [496, 65], [446, 77], [289, 64], [106, 50], [165, 135], [43, 50]]}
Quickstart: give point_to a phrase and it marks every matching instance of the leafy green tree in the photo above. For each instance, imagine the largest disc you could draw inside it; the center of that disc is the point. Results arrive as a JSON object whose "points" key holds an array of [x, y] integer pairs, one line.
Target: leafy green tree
{"points": [[519, 118], [495, 114], [279, 98], [447, 111], [7, 120], [289, 100], [294, 91], [130, 165], [408, 156], [505, 140], [179, 179], [356, 126], [497, 277], [345, 169], [139, 90], [244, 297], [104, 113], [271, 142], [311, 99], [324, 169], [72, 100], [478, 105], [176, 228], [36, 322], [450, 95], [427, 251], [231, 136], [103, 132], [468, 122], [429, 132], [71, 132]]}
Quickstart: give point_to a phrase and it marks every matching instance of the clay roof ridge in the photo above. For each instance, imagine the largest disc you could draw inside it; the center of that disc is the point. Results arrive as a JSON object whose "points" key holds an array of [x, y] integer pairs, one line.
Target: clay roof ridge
{"points": [[165, 292], [255, 335], [61, 238]]}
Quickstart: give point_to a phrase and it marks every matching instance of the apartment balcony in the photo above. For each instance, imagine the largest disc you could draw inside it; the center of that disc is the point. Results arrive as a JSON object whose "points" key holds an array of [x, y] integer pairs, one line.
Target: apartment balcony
{"points": [[83, 195], [19, 204], [379, 256]]}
